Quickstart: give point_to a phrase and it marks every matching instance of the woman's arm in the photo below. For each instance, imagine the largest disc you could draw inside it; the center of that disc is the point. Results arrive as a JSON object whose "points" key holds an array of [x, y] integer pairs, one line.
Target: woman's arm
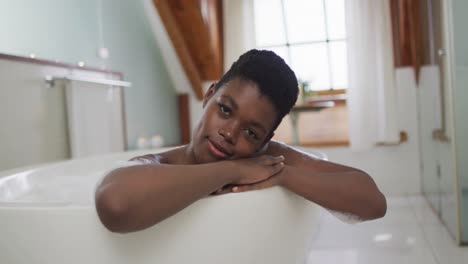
{"points": [[351, 191], [333, 186], [136, 197]]}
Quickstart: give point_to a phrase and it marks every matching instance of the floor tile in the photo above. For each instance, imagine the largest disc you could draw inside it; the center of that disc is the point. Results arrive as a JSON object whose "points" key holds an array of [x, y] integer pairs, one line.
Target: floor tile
{"points": [[369, 236], [444, 246], [371, 256], [422, 210]]}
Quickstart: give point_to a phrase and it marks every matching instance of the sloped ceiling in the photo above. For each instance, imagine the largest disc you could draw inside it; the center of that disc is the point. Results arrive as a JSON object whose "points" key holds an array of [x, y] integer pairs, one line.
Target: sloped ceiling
{"points": [[195, 29]]}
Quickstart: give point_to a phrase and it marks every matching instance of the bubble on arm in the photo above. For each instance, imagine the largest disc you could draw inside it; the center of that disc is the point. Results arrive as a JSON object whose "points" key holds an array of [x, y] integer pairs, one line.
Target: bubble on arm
{"points": [[148, 159], [346, 217]]}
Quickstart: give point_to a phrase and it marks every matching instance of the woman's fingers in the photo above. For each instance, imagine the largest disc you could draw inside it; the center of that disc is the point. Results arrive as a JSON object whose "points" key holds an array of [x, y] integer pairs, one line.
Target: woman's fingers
{"points": [[276, 168], [270, 182], [252, 187], [223, 190], [270, 160]]}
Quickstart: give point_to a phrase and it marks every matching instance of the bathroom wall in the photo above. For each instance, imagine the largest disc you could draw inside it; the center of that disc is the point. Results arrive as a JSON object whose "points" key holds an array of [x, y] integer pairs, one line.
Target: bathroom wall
{"points": [[395, 169], [72, 31]]}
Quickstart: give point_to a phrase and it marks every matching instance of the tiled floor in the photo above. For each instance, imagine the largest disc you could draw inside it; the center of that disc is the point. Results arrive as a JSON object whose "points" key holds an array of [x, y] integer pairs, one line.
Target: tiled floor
{"points": [[409, 233]]}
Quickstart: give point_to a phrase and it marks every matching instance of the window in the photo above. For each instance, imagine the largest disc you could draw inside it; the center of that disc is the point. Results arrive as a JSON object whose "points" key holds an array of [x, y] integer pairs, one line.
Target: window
{"points": [[310, 35]]}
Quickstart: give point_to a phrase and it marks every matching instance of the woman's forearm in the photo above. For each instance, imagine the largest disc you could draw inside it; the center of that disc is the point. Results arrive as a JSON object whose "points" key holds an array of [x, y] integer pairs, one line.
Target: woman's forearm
{"points": [[136, 197], [353, 192]]}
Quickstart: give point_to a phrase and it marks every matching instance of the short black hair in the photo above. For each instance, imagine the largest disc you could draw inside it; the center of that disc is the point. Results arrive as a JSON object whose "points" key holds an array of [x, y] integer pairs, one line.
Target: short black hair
{"points": [[271, 74]]}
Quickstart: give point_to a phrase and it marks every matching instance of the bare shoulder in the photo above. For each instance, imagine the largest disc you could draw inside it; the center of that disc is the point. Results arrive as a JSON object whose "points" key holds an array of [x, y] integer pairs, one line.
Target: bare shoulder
{"points": [[166, 157]]}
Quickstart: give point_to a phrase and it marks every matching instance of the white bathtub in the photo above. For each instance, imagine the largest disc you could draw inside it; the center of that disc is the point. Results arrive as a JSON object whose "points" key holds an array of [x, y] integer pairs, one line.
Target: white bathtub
{"points": [[47, 215]]}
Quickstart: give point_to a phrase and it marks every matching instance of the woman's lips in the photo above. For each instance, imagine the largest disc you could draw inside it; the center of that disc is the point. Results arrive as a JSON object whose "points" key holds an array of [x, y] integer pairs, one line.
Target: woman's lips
{"points": [[216, 151]]}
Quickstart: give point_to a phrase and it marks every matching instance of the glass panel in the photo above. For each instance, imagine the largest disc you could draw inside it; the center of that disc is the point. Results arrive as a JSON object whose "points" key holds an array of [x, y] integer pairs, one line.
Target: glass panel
{"points": [[282, 52], [339, 65], [310, 63], [460, 108], [269, 25], [305, 20], [461, 130], [336, 19]]}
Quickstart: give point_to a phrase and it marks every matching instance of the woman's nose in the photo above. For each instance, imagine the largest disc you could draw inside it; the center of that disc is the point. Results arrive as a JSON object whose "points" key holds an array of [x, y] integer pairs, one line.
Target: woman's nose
{"points": [[227, 134]]}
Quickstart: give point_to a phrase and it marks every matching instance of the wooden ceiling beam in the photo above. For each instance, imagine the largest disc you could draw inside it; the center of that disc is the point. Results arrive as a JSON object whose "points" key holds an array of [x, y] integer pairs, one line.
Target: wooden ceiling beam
{"points": [[182, 50], [201, 27]]}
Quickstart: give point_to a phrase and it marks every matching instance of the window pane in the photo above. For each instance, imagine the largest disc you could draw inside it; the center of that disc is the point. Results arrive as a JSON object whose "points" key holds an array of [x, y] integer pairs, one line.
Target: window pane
{"points": [[310, 63], [336, 19], [269, 26], [281, 51], [305, 20], [339, 67]]}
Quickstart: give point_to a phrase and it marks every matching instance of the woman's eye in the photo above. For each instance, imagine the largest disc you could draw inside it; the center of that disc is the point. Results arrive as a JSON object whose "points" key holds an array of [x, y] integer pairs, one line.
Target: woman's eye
{"points": [[224, 109], [250, 133]]}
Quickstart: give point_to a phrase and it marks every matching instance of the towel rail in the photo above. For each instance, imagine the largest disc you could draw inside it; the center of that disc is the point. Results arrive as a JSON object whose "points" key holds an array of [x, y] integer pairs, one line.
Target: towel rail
{"points": [[50, 80]]}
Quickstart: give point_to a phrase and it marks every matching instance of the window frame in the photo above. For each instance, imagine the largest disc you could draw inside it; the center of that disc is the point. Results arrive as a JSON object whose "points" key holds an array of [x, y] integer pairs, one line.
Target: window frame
{"points": [[328, 41]]}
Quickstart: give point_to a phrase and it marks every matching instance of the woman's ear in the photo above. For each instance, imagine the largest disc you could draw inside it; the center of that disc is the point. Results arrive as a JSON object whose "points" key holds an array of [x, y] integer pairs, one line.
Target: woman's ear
{"points": [[209, 93]]}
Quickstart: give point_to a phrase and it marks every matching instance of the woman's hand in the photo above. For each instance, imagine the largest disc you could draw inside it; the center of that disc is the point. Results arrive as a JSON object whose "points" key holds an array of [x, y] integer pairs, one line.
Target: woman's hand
{"points": [[257, 169], [273, 180], [268, 183]]}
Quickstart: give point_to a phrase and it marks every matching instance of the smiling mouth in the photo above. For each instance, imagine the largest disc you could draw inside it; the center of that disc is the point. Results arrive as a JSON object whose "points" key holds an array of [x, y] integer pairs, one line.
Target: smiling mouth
{"points": [[215, 150]]}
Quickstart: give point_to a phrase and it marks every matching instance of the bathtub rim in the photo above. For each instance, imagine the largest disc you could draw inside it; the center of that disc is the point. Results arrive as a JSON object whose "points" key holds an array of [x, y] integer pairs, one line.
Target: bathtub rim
{"points": [[28, 205]]}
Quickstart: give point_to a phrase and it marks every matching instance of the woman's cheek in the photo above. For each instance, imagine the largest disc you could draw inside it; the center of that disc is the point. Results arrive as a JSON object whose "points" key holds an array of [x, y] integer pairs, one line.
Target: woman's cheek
{"points": [[246, 149]]}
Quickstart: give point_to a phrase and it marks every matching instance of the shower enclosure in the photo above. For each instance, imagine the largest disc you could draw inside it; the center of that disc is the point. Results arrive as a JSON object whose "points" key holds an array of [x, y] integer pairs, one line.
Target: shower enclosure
{"points": [[442, 96]]}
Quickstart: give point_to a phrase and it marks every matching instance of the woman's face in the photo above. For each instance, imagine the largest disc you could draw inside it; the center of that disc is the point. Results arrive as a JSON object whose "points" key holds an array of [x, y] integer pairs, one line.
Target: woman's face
{"points": [[236, 123]]}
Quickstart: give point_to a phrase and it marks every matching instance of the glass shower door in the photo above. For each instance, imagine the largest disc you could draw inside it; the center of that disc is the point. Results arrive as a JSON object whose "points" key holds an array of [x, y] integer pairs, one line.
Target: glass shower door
{"points": [[437, 140], [460, 94]]}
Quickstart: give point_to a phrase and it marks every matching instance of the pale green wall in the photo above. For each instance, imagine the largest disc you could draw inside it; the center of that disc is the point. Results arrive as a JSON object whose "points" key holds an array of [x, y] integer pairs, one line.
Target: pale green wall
{"points": [[53, 29], [67, 30]]}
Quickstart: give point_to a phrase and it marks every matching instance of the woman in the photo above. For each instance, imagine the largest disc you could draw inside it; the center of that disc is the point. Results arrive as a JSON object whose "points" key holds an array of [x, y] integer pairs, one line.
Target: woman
{"points": [[232, 151]]}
